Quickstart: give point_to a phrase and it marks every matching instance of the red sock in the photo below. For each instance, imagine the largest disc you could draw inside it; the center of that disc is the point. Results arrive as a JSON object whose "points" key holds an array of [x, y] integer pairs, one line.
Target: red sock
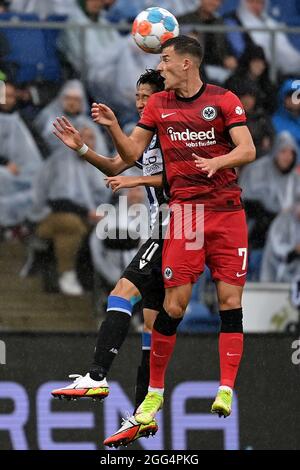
{"points": [[162, 348], [230, 350]]}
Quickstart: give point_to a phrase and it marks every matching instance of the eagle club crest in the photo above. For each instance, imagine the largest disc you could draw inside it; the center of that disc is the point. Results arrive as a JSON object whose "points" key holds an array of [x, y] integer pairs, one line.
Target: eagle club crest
{"points": [[168, 273], [209, 113]]}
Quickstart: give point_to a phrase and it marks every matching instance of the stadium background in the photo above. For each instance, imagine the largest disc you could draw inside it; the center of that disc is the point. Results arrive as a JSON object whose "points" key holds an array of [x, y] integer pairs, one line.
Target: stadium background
{"points": [[45, 335]]}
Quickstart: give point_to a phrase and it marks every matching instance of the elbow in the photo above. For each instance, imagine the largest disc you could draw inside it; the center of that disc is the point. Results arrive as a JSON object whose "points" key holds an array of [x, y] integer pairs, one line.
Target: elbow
{"points": [[251, 153], [129, 159]]}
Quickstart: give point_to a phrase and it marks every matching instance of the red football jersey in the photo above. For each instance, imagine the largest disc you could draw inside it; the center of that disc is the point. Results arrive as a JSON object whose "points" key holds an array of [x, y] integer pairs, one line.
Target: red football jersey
{"points": [[199, 125]]}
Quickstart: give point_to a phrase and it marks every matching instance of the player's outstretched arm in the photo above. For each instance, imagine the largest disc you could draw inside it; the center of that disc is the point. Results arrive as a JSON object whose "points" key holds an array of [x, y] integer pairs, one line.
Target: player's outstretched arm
{"points": [[244, 152], [120, 182], [70, 136], [131, 147]]}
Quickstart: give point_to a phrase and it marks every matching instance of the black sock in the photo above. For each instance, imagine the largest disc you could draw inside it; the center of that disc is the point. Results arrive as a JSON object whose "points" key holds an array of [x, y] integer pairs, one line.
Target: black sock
{"points": [[165, 324], [142, 379], [232, 320], [111, 336]]}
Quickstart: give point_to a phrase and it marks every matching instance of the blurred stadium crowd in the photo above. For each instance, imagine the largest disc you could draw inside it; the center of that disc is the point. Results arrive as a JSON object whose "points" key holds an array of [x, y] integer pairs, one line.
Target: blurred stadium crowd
{"points": [[48, 197]]}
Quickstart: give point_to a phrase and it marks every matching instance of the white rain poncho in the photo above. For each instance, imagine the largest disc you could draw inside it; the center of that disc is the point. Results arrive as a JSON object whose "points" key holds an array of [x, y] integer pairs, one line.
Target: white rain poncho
{"points": [[131, 64], [43, 8], [44, 121], [284, 236], [102, 47], [262, 181], [287, 57], [67, 176], [112, 62], [18, 146]]}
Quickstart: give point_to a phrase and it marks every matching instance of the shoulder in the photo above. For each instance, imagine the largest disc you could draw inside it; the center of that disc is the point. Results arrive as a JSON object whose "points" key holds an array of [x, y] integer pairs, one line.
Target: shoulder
{"points": [[222, 96], [153, 101], [191, 17], [231, 18], [263, 164], [159, 97], [216, 90]]}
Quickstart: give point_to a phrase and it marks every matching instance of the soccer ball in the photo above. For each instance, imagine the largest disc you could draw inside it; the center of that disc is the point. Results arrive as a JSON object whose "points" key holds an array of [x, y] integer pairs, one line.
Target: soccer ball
{"points": [[152, 27]]}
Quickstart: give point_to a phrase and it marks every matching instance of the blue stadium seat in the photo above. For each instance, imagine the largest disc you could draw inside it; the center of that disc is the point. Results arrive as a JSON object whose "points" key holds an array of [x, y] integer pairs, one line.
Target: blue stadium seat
{"points": [[51, 37], [30, 50]]}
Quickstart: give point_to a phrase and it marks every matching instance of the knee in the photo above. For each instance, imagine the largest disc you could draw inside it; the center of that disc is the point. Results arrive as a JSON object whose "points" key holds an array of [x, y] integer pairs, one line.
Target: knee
{"points": [[125, 289], [148, 327], [230, 302], [174, 309]]}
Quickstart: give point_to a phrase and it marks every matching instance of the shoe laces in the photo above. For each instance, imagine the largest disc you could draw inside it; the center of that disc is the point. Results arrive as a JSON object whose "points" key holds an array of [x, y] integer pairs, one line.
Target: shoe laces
{"points": [[152, 400], [226, 396], [126, 418]]}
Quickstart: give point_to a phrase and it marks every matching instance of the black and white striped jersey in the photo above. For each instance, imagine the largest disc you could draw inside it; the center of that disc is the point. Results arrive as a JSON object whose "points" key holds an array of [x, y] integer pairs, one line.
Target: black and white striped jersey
{"points": [[151, 163]]}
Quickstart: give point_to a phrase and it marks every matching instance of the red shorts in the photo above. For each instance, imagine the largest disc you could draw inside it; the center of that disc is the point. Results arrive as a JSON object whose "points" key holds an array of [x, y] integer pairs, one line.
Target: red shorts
{"points": [[222, 245]]}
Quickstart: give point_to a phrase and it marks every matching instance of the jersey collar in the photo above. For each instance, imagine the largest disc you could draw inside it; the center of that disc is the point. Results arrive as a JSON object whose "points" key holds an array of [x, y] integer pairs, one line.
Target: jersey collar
{"points": [[192, 98]]}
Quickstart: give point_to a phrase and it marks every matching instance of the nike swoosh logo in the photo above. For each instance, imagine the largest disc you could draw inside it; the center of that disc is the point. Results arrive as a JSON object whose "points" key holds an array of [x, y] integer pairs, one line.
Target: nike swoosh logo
{"points": [[229, 354], [167, 115], [143, 263], [240, 275]]}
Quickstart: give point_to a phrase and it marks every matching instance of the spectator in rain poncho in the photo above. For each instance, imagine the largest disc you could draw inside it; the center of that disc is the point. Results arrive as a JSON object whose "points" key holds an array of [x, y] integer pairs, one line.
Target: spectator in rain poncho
{"points": [[43, 8], [130, 66], [72, 103], [287, 116], [112, 62], [67, 192], [219, 61], [281, 260], [252, 14], [253, 71], [128, 9], [111, 254], [103, 44], [258, 120], [269, 186], [20, 160]]}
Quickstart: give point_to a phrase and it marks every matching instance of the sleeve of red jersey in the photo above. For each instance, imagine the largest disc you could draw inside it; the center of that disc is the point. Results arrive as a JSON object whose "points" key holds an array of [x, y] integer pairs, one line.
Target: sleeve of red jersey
{"points": [[147, 120], [233, 110]]}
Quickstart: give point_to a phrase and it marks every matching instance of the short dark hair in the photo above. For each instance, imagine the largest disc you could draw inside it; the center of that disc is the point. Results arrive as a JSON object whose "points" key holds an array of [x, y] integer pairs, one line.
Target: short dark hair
{"points": [[153, 78], [185, 45]]}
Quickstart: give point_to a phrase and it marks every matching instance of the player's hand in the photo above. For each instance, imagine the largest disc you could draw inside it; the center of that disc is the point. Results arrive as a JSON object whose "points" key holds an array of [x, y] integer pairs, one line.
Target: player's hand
{"points": [[67, 133], [120, 182], [94, 217], [103, 115], [208, 165]]}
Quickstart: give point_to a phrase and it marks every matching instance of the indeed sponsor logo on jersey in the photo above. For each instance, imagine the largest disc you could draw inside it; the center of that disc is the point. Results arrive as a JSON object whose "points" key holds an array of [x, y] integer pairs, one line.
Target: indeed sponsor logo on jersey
{"points": [[192, 138]]}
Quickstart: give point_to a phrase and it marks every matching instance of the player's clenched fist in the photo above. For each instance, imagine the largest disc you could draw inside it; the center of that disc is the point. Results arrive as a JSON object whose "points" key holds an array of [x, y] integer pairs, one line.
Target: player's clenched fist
{"points": [[103, 115]]}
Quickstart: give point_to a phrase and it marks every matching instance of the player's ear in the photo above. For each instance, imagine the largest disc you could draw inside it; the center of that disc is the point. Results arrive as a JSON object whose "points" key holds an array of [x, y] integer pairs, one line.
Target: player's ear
{"points": [[186, 64]]}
